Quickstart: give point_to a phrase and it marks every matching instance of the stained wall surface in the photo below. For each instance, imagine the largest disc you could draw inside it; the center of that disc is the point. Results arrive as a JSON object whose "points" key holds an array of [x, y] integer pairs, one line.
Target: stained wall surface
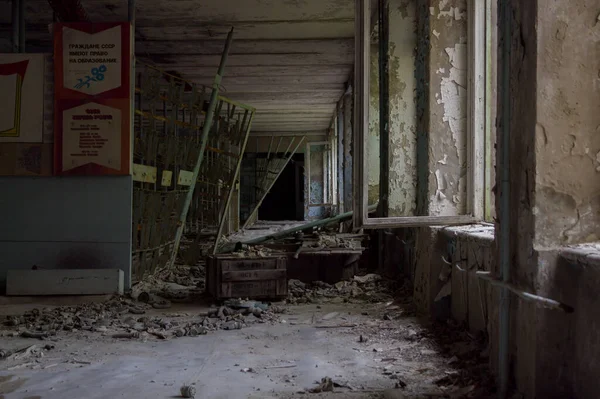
{"points": [[403, 116], [71, 223]]}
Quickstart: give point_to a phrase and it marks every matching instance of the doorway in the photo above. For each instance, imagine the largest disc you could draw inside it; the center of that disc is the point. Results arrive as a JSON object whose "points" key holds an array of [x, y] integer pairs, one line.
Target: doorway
{"points": [[285, 200]]}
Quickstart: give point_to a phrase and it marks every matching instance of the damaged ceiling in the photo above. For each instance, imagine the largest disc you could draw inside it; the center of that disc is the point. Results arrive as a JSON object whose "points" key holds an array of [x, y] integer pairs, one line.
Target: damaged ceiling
{"points": [[291, 59]]}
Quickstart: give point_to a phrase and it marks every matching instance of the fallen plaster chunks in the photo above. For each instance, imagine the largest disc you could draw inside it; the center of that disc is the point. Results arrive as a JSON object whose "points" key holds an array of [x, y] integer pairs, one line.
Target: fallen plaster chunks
{"points": [[37, 335], [187, 391], [326, 385], [131, 335]]}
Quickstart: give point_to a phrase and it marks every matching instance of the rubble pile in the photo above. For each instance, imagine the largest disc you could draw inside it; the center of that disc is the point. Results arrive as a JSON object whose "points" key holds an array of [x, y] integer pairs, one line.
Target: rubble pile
{"points": [[123, 318], [367, 288], [182, 275], [253, 251], [333, 241]]}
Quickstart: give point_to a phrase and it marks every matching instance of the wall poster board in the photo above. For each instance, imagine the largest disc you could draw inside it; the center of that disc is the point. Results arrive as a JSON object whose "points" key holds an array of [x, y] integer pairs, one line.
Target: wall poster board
{"points": [[92, 99]]}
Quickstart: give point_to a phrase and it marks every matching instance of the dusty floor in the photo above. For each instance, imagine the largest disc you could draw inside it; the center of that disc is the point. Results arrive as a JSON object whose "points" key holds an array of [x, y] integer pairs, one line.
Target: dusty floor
{"points": [[398, 357]]}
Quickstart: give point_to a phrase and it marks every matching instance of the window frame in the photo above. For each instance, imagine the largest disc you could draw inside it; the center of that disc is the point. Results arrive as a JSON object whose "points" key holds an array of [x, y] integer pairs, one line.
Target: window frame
{"points": [[478, 137]]}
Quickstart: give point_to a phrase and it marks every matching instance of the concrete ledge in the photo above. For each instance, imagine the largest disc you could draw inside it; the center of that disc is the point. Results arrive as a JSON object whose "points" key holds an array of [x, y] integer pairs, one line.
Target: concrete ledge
{"points": [[587, 254], [64, 282], [483, 233]]}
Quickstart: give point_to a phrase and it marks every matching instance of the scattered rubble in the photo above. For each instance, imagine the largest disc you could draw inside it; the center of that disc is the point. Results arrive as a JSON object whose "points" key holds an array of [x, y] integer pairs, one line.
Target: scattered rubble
{"points": [[253, 251], [325, 385], [367, 288], [335, 241], [122, 318], [187, 391]]}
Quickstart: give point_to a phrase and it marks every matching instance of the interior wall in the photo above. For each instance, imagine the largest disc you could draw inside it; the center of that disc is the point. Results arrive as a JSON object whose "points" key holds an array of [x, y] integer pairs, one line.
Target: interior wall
{"points": [[567, 139], [447, 73], [403, 115], [66, 223], [553, 97], [315, 183]]}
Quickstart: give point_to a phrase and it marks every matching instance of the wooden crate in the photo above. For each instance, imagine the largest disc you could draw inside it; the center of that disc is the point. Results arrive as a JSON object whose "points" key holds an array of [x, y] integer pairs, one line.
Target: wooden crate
{"points": [[230, 276]]}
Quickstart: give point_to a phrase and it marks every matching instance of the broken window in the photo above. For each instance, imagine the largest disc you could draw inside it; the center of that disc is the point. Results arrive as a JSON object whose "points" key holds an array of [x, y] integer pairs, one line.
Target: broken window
{"points": [[423, 119]]}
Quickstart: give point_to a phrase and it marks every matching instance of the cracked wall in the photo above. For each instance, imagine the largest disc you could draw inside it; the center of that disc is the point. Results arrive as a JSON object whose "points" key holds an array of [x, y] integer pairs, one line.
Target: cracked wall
{"points": [[567, 148], [402, 90], [554, 185], [448, 107]]}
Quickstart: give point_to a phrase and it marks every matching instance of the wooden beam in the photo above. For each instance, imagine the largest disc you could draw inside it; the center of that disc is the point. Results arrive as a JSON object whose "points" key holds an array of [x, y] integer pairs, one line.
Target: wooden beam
{"points": [[263, 46], [308, 80], [266, 71], [289, 87], [258, 30]]}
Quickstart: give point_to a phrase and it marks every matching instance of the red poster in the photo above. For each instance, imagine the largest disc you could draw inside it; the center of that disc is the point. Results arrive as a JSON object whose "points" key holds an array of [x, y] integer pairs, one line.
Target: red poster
{"points": [[92, 98]]}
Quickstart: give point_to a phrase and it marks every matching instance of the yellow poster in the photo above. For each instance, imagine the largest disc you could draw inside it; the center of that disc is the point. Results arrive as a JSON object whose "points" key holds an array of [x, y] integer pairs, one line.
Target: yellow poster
{"points": [[22, 100]]}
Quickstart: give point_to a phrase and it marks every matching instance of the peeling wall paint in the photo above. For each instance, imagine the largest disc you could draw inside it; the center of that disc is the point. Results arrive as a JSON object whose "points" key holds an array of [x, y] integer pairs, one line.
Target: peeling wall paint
{"points": [[567, 178], [403, 112], [402, 85], [448, 108], [372, 149]]}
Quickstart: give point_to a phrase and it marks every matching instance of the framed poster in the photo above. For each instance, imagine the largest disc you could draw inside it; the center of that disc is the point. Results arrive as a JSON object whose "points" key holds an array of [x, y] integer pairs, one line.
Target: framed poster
{"points": [[22, 100], [92, 99]]}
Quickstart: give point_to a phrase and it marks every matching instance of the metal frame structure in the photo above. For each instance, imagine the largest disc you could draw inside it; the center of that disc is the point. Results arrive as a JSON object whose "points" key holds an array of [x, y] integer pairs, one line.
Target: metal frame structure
{"points": [[188, 143], [271, 171], [234, 178]]}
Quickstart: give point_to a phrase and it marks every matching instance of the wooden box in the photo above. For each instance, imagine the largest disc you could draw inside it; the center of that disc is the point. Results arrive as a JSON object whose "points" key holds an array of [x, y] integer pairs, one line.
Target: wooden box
{"points": [[230, 276]]}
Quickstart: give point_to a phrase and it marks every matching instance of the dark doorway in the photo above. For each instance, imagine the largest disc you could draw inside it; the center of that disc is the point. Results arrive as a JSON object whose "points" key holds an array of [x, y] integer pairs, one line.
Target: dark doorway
{"points": [[285, 201]]}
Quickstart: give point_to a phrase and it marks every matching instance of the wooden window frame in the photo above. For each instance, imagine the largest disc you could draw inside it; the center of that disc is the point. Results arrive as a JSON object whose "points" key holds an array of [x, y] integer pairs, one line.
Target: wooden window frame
{"points": [[477, 135]]}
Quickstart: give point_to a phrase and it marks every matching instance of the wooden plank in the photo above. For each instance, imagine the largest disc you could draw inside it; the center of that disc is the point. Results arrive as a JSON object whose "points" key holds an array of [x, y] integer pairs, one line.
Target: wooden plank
{"points": [[254, 275], [282, 30], [248, 264], [183, 60], [417, 221], [264, 46], [252, 289], [224, 12], [144, 173], [318, 96], [266, 71]]}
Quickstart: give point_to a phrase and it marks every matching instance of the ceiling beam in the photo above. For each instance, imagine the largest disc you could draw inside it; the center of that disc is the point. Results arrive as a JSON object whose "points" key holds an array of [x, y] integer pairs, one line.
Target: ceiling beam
{"points": [[244, 46]]}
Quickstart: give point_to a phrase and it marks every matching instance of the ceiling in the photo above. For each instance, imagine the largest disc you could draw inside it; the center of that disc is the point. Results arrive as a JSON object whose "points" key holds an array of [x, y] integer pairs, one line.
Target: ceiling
{"points": [[290, 59]]}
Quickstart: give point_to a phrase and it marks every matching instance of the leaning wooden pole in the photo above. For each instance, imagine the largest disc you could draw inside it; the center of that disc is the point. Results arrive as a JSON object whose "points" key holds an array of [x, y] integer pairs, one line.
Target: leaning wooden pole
{"points": [[232, 185], [285, 233], [258, 204], [203, 139]]}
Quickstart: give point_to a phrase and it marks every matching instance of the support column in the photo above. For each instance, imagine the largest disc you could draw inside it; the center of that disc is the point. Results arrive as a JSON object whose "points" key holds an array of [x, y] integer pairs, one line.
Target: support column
{"points": [[550, 120]]}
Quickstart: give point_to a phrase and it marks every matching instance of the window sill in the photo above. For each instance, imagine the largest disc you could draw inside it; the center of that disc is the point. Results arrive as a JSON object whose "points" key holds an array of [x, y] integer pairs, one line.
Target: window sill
{"points": [[483, 232], [584, 254]]}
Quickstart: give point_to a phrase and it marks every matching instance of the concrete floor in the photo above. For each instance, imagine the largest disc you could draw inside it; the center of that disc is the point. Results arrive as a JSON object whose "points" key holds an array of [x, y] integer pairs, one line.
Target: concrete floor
{"points": [[89, 365]]}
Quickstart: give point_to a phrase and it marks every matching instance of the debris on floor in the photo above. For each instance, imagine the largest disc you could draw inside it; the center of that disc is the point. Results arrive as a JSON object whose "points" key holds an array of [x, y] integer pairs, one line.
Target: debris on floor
{"points": [[253, 251], [403, 355], [187, 391], [123, 318], [368, 288], [325, 385]]}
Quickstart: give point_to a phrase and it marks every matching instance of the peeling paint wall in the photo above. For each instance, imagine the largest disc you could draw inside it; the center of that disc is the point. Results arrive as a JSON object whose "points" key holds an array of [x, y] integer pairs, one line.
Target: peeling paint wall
{"points": [[403, 113], [567, 178], [448, 107], [316, 190], [372, 150], [555, 187], [402, 89]]}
